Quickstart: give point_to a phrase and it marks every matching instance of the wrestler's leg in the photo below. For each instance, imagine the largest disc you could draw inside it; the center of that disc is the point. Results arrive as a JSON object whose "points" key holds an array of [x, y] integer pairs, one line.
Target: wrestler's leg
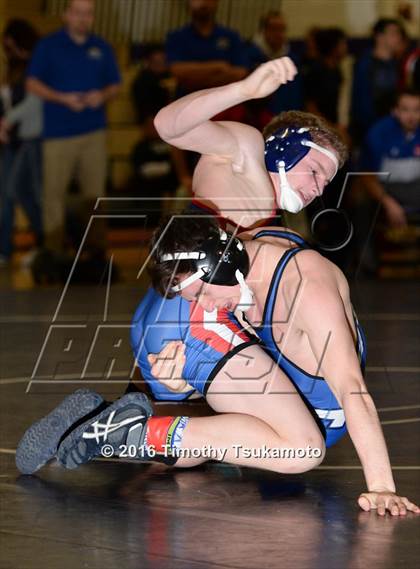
{"points": [[255, 416], [259, 406], [279, 419], [128, 424]]}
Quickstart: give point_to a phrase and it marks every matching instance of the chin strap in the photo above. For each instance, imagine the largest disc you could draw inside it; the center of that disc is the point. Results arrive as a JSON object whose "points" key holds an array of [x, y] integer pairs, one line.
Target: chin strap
{"points": [[247, 296], [289, 200]]}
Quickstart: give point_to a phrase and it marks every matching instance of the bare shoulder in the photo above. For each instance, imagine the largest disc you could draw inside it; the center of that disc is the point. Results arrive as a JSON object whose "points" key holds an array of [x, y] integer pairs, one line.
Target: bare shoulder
{"points": [[242, 149], [247, 136], [320, 275]]}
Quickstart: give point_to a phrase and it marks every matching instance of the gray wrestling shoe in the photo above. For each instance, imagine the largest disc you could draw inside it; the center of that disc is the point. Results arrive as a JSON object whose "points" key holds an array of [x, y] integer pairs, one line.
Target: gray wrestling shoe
{"points": [[39, 444], [120, 426]]}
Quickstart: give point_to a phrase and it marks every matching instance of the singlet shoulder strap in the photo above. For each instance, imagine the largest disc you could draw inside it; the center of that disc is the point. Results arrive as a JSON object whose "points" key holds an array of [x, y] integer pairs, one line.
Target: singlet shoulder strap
{"points": [[275, 282], [293, 237], [281, 265]]}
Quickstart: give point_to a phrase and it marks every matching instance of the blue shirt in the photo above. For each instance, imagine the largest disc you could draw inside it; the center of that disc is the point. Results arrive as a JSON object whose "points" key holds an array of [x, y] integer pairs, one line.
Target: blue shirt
{"points": [[66, 66], [288, 97], [375, 83], [389, 149], [223, 44]]}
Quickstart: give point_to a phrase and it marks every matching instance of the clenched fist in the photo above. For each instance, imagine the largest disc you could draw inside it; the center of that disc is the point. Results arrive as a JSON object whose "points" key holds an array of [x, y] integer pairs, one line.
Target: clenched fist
{"points": [[167, 367], [268, 77]]}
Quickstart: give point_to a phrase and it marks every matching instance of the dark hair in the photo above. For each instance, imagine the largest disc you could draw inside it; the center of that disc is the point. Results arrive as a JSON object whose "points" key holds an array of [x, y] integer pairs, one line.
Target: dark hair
{"points": [[327, 39], [22, 33], [148, 49], [321, 132], [184, 232], [407, 91], [382, 24], [268, 16]]}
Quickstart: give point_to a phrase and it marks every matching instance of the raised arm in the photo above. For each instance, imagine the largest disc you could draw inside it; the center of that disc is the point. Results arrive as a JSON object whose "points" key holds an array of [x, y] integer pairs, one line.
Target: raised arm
{"points": [[186, 122], [323, 314], [197, 75]]}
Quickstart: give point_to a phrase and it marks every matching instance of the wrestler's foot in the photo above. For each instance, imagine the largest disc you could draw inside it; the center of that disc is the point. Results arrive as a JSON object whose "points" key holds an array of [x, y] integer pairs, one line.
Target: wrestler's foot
{"points": [[39, 444], [121, 425]]}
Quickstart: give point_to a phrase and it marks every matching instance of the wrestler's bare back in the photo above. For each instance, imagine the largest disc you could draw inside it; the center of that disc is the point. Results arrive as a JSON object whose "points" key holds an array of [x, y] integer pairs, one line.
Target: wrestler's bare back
{"points": [[291, 339]]}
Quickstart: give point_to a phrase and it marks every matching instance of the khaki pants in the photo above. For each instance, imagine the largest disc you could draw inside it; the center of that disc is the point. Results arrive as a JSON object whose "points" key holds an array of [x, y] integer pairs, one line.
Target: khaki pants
{"points": [[78, 157]]}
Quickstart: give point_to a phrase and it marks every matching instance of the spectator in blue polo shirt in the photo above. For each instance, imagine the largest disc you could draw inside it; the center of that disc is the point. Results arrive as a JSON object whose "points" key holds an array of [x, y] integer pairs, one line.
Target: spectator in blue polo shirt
{"points": [[390, 166], [203, 54], [75, 73], [271, 42], [392, 147]]}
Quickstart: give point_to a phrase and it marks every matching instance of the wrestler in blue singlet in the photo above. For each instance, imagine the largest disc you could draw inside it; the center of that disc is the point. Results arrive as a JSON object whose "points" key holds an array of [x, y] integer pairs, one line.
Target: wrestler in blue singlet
{"points": [[158, 320], [211, 338], [314, 389]]}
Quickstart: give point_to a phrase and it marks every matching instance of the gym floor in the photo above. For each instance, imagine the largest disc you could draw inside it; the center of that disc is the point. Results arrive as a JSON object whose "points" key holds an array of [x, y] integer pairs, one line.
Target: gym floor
{"points": [[114, 513]]}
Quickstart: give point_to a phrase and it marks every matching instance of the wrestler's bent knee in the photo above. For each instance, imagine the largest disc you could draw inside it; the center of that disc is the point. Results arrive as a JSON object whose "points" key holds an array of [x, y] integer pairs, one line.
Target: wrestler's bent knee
{"points": [[309, 453]]}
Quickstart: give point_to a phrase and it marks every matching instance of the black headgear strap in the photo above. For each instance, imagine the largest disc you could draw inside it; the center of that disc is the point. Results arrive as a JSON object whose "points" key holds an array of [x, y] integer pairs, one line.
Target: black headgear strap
{"points": [[216, 261]]}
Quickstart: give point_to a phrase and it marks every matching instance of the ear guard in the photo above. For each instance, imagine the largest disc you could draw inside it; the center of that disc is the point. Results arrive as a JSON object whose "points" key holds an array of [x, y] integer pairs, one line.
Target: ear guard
{"points": [[283, 150], [218, 261], [288, 146]]}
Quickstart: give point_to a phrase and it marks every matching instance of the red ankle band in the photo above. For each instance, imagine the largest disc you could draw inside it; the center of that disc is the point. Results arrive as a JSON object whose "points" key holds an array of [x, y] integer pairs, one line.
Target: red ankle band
{"points": [[157, 432]]}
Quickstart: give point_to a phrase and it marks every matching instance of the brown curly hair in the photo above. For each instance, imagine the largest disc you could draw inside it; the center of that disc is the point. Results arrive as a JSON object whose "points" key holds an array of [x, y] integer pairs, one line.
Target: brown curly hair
{"points": [[184, 232], [321, 132]]}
